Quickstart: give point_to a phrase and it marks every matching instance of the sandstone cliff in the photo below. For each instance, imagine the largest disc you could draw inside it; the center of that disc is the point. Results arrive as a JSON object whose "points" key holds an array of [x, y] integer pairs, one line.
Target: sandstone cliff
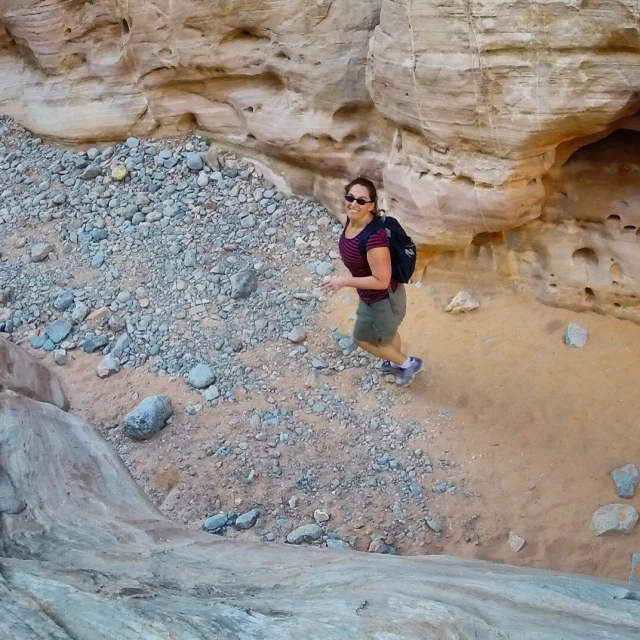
{"points": [[469, 113]]}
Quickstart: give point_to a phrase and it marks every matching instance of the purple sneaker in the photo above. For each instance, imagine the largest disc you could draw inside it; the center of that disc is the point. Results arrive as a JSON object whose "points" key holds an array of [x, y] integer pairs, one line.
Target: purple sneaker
{"points": [[388, 367], [407, 376]]}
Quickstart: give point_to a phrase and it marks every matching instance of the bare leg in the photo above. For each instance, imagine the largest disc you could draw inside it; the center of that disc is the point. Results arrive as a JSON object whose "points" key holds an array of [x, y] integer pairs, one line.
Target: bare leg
{"points": [[397, 342], [389, 351]]}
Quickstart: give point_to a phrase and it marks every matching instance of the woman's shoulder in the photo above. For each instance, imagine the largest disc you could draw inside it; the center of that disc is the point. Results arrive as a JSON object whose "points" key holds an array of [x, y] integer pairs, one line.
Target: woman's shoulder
{"points": [[378, 238]]}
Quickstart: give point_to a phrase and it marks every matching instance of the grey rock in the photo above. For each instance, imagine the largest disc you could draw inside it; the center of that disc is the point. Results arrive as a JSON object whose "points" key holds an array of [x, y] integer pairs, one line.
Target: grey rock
{"points": [[149, 417], [415, 489], [243, 284], [49, 345], [434, 525], [201, 376], [247, 520], [515, 541], [297, 335], [59, 197], [98, 260], [190, 258], [210, 394], [40, 251], [64, 301], [122, 343], [195, 161], [93, 342], [577, 336], [614, 517], [215, 523], [80, 312], [324, 268], [60, 357], [138, 218], [306, 534], [132, 143], [58, 330], [37, 342], [248, 222], [107, 367], [340, 545], [91, 172], [626, 479]]}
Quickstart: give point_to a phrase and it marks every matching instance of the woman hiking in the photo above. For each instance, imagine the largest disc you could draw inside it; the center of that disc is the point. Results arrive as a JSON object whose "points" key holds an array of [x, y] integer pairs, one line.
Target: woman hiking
{"points": [[383, 301]]}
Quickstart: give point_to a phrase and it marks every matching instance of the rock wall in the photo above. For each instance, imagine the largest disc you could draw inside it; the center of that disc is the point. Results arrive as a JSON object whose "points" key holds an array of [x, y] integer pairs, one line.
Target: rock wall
{"points": [[465, 111]]}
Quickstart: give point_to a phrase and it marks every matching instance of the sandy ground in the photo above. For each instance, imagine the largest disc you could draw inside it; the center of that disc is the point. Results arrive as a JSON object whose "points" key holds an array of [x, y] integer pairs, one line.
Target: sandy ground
{"points": [[528, 427]]}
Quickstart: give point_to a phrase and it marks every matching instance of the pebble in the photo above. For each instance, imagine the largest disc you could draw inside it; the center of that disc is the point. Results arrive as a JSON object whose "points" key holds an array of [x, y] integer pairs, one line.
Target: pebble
{"points": [[92, 342], [515, 541], [434, 525], [243, 284], [462, 302], [149, 417], [201, 376], [626, 479], [297, 335], [614, 517], [60, 357], [577, 336], [107, 367], [305, 534], [64, 301], [247, 520], [321, 516], [37, 342], [195, 161], [40, 251]]}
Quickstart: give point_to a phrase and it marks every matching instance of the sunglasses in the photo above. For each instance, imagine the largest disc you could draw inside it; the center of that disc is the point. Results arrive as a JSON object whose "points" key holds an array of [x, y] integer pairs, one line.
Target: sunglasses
{"points": [[360, 201]]}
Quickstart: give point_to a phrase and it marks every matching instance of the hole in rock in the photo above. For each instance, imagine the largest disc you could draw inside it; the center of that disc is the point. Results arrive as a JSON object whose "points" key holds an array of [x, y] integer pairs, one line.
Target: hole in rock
{"points": [[487, 237], [629, 228], [617, 305], [589, 292], [588, 257], [126, 26], [249, 109], [246, 34]]}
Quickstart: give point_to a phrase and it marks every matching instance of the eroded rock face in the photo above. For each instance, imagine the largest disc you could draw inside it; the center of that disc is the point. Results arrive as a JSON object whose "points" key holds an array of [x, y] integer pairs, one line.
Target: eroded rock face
{"points": [[465, 112]]}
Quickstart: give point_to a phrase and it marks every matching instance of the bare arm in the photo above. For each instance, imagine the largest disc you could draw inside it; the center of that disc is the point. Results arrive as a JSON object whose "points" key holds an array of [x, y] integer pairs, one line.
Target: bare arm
{"points": [[380, 264]]}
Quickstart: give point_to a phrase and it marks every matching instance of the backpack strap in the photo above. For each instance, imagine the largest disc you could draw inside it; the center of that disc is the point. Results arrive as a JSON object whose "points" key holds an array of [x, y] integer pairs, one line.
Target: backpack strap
{"points": [[375, 225]]}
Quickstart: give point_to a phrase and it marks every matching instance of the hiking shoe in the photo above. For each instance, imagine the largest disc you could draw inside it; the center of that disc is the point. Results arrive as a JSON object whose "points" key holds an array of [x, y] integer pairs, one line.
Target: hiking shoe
{"points": [[407, 376], [387, 366]]}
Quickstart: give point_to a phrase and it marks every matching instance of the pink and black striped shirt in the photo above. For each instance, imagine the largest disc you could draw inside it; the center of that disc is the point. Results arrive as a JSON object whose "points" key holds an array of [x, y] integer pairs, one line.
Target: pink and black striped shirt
{"points": [[359, 267]]}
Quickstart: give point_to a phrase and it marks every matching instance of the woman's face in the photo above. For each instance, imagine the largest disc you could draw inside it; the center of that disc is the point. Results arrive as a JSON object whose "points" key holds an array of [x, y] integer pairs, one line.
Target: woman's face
{"points": [[356, 211]]}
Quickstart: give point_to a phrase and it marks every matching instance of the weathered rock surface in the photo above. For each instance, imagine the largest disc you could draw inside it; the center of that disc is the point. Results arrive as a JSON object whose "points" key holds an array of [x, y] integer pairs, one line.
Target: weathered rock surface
{"points": [[80, 541]]}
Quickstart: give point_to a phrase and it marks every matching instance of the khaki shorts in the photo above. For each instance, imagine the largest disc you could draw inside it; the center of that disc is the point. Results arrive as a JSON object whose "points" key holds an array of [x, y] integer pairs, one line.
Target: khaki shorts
{"points": [[378, 322]]}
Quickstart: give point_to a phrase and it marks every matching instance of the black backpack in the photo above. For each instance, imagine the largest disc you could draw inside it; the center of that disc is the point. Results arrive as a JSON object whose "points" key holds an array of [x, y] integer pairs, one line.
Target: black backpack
{"points": [[401, 247]]}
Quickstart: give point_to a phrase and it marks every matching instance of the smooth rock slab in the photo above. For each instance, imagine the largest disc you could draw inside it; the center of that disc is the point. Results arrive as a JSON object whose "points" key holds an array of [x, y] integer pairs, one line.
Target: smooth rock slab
{"points": [[149, 417], [305, 534], [201, 376], [576, 337], [58, 330], [247, 520], [626, 479], [614, 517]]}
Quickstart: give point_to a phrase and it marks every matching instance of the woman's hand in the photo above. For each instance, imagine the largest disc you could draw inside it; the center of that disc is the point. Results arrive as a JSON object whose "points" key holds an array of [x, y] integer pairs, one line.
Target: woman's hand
{"points": [[332, 285]]}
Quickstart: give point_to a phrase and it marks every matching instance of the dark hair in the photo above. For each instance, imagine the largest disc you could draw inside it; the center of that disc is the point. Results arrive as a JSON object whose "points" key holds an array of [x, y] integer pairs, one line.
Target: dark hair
{"points": [[370, 187]]}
